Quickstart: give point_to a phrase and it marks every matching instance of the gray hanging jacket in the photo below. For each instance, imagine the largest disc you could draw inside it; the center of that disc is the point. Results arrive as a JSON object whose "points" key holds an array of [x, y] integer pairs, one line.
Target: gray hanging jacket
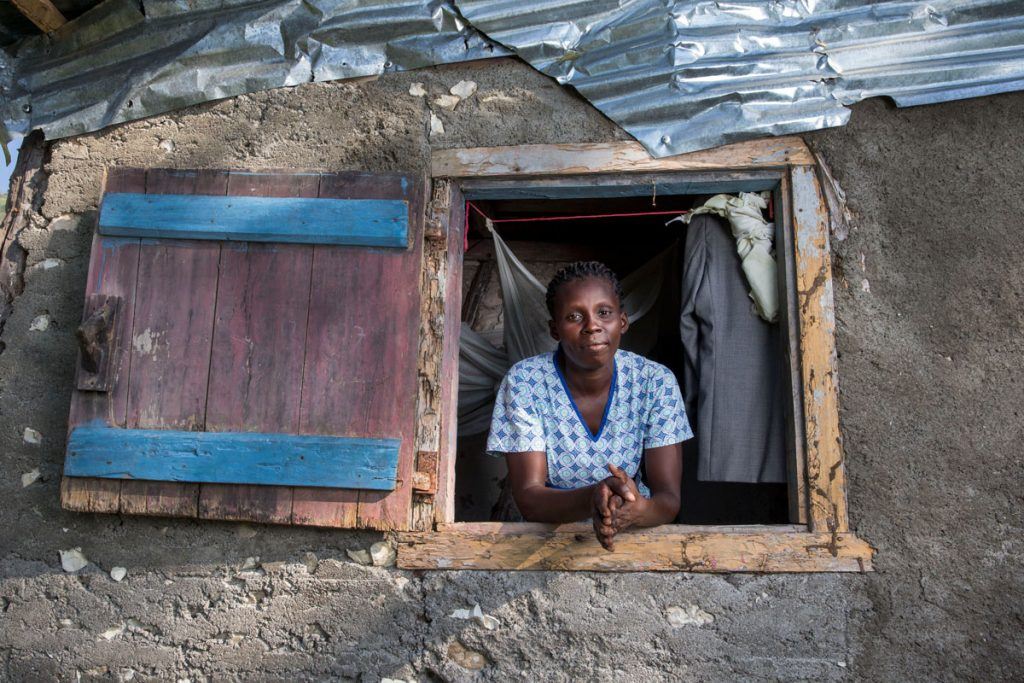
{"points": [[733, 364]]}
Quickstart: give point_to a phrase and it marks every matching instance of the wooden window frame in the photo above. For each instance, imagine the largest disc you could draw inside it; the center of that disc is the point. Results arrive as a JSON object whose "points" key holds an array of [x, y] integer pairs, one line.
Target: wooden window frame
{"points": [[819, 540]]}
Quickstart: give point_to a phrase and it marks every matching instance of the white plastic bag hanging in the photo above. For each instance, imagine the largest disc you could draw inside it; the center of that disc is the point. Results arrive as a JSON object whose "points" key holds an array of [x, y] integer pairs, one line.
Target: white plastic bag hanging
{"points": [[754, 243]]}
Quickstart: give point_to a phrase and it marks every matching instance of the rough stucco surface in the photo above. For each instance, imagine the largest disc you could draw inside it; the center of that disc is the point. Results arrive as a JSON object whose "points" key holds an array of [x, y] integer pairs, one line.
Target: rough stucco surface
{"points": [[930, 290], [932, 383]]}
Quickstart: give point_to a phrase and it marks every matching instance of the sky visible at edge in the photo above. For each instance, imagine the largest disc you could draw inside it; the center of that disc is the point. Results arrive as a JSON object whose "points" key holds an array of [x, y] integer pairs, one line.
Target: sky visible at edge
{"points": [[6, 171]]}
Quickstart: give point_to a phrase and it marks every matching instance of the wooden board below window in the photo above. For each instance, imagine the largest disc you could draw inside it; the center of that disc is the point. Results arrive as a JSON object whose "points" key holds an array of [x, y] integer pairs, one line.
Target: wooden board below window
{"points": [[574, 547]]}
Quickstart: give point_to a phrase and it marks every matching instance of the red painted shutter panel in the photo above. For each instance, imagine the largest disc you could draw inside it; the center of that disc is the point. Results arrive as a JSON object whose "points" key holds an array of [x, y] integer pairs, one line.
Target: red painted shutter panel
{"points": [[260, 337], [259, 343], [361, 353]]}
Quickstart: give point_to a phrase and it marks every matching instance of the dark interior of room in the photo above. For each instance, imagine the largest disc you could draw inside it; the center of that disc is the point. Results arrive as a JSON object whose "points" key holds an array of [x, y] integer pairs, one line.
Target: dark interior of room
{"points": [[544, 234]]}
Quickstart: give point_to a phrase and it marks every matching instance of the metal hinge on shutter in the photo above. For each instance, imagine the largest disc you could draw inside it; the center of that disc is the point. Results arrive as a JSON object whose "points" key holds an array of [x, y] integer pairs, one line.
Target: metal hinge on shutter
{"points": [[97, 341]]}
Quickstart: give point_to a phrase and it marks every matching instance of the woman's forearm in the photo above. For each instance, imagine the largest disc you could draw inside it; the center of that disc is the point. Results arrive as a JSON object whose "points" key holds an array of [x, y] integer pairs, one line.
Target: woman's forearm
{"points": [[545, 504], [661, 508]]}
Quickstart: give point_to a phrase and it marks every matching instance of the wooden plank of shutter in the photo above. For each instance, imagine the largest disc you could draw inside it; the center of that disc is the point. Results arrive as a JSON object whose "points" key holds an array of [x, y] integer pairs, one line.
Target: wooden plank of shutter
{"points": [[258, 348], [264, 458], [113, 270], [170, 344], [333, 344], [360, 371], [258, 218]]}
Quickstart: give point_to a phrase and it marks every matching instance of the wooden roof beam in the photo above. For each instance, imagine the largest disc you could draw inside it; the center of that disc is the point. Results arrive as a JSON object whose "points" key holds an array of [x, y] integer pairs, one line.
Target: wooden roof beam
{"points": [[43, 13]]}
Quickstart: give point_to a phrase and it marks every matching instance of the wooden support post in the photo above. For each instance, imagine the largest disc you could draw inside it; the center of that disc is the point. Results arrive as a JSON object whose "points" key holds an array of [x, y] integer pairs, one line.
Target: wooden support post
{"points": [[43, 13], [428, 405], [790, 333], [826, 481], [438, 209], [444, 501]]}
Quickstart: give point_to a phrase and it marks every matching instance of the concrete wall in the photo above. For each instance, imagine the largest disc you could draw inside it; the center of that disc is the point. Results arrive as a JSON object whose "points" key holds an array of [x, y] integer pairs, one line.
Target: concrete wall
{"points": [[929, 295]]}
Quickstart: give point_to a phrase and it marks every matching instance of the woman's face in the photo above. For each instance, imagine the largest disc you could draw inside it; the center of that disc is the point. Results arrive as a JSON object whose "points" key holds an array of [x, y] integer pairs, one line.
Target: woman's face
{"points": [[588, 322]]}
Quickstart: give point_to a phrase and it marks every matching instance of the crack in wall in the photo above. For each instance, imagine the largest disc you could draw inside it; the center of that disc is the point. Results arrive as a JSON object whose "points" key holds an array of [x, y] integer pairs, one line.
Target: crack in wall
{"points": [[24, 200]]}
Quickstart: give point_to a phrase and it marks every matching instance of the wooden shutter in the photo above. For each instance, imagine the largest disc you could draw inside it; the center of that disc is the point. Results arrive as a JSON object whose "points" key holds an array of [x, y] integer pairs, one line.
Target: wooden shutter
{"points": [[257, 357]]}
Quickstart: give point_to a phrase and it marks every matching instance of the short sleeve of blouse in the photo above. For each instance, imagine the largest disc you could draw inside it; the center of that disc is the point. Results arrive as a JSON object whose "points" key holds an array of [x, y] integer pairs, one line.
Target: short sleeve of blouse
{"points": [[515, 425], [666, 421]]}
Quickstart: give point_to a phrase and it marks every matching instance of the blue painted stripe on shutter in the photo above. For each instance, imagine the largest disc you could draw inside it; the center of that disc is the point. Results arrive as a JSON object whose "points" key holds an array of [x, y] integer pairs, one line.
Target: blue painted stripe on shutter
{"points": [[304, 220], [232, 458]]}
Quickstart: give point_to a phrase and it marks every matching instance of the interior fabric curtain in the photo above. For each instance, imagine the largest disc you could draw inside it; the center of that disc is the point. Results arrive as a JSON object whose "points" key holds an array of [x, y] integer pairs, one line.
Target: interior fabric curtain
{"points": [[523, 307], [482, 365], [481, 368]]}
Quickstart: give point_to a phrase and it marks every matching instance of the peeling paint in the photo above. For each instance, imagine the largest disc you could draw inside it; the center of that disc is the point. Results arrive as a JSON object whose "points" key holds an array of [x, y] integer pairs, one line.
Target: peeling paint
{"points": [[146, 342]]}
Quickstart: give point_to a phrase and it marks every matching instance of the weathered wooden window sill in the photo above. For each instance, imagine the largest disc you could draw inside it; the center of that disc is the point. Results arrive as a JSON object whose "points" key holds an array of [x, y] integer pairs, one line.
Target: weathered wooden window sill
{"points": [[819, 539], [572, 547]]}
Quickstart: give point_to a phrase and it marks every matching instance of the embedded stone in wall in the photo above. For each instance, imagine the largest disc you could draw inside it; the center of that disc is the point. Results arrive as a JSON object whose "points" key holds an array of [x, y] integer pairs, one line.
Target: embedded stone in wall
{"points": [[466, 658], [691, 615], [30, 478], [463, 89], [72, 560]]}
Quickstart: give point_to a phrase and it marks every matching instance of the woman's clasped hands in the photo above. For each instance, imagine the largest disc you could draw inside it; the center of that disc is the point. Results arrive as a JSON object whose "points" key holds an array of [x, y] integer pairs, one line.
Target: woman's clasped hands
{"points": [[617, 505]]}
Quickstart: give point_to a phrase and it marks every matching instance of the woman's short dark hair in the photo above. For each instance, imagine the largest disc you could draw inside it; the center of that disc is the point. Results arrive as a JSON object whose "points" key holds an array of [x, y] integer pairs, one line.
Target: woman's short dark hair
{"points": [[582, 270]]}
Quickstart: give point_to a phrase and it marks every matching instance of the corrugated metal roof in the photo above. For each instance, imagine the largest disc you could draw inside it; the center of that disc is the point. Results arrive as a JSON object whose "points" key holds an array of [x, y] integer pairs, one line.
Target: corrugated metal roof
{"points": [[679, 76], [122, 61]]}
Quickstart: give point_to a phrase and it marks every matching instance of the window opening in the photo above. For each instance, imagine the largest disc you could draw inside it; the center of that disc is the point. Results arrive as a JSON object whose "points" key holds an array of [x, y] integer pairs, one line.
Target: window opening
{"points": [[625, 233]]}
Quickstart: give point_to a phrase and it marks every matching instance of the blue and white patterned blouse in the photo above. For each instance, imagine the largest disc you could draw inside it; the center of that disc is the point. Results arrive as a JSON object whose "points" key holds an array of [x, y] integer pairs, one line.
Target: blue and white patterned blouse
{"points": [[534, 411]]}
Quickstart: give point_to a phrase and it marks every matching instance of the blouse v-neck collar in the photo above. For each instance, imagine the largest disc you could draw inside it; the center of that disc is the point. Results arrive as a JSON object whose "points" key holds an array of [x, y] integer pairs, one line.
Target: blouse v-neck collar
{"points": [[568, 394]]}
